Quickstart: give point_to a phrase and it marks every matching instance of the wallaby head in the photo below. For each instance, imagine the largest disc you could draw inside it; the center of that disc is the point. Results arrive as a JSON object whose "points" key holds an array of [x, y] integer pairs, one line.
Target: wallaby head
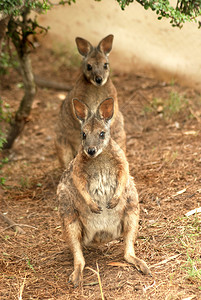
{"points": [[95, 128], [95, 59]]}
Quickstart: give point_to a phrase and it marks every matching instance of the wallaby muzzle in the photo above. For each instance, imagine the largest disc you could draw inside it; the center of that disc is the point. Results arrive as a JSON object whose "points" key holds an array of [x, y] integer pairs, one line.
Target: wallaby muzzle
{"points": [[91, 151], [98, 80]]}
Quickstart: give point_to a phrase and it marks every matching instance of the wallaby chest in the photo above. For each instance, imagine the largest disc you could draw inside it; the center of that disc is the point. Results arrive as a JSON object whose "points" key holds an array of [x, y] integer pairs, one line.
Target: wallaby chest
{"points": [[106, 226], [102, 182]]}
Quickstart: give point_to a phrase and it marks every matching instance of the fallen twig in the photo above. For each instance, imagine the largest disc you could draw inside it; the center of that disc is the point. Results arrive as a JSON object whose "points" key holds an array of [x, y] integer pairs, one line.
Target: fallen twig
{"points": [[91, 283], [99, 279], [146, 287], [193, 211], [118, 264], [176, 194], [22, 288], [12, 224]]}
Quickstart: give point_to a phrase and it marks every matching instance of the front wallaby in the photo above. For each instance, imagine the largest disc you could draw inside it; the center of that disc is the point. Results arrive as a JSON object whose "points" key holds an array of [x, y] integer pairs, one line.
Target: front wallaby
{"points": [[92, 86], [98, 201]]}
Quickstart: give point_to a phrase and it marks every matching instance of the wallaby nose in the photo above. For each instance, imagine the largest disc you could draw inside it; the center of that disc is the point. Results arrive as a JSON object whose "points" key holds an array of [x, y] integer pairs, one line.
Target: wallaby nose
{"points": [[98, 79], [91, 151]]}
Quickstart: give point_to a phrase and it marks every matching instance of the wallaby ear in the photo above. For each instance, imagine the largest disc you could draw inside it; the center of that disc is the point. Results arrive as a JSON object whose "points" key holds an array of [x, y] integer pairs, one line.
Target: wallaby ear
{"points": [[80, 109], [106, 109], [83, 46], [105, 44]]}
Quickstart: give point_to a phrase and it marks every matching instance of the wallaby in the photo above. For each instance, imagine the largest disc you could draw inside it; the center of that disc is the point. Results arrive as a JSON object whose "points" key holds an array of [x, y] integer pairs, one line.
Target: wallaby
{"points": [[92, 86], [98, 200]]}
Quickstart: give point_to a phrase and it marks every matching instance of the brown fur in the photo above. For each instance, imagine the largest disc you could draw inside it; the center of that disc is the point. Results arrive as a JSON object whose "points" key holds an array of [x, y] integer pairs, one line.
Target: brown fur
{"points": [[92, 94], [98, 201]]}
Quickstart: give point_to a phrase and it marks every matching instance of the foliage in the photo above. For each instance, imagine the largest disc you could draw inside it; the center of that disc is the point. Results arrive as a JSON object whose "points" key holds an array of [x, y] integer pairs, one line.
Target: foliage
{"points": [[189, 239], [174, 104], [183, 11], [16, 7], [193, 268], [8, 60], [169, 108]]}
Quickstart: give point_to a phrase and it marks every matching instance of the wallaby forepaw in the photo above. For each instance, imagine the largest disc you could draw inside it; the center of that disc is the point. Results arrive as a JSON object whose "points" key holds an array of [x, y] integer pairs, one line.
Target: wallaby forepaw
{"points": [[95, 208], [113, 203]]}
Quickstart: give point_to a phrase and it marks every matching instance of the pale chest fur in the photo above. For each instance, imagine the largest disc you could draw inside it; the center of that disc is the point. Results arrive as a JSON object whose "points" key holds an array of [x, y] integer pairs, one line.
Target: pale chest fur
{"points": [[106, 226], [102, 185]]}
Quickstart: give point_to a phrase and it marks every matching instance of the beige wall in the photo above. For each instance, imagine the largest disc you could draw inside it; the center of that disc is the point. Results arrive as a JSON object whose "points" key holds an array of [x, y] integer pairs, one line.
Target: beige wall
{"points": [[141, 41]]}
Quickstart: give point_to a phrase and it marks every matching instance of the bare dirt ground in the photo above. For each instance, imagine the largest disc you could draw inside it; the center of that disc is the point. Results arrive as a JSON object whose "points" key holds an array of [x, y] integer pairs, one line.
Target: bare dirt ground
{"points": [[162, 122]]}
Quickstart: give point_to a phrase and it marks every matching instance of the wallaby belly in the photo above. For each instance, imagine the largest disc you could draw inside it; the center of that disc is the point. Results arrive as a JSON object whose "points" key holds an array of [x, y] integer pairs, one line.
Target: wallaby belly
{"points": [[106, 226]]}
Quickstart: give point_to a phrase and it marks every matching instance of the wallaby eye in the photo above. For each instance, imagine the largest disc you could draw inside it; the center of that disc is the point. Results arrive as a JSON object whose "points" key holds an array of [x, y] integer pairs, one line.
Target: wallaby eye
{"points": [[89, 67], [106, 66], [102, 135], [84, 136]]}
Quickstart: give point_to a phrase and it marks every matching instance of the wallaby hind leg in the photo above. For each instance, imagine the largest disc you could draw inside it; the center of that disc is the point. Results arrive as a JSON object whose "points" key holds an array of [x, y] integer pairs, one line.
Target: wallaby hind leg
{"points": [[130, 233], [72, 233], [129, 252], [65, 153]]}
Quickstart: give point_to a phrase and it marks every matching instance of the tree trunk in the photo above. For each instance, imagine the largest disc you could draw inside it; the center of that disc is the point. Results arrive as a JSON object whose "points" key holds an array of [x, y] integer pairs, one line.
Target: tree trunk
{"points": [[21, 45], [3, 26], [21, 117]]}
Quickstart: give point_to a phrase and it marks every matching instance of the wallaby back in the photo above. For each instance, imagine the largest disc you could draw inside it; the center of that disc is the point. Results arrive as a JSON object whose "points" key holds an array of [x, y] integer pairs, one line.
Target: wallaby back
{"points": [[92, 87], [98, 199]]}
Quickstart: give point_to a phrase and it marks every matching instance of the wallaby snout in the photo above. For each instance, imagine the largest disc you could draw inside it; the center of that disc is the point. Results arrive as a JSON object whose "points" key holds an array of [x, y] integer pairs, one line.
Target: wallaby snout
{"points": [[98, 80], [91, 151], [95, 59]]}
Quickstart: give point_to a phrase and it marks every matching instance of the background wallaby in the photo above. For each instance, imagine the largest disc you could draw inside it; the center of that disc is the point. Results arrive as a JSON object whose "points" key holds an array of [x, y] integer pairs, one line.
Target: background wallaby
{"points": [[98, 201], [92, 86]]}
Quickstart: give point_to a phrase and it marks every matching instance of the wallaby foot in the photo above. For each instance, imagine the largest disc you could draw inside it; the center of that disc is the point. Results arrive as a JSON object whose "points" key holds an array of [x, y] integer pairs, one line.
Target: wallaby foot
{"points": [[76, 276], [139, 263], [129, 253]]}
